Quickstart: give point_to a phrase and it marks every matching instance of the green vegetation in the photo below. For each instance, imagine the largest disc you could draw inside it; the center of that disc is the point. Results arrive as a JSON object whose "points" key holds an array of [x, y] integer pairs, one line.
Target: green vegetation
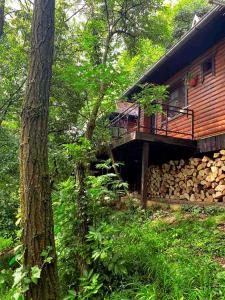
{"points": [[104, 250], [184, 12], [155, 255], [5, 243]]}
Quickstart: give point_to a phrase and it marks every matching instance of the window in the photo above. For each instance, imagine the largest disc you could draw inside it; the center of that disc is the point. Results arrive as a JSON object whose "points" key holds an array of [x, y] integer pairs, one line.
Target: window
{"points": [[178, 96], [208, 67], [177, 100]]}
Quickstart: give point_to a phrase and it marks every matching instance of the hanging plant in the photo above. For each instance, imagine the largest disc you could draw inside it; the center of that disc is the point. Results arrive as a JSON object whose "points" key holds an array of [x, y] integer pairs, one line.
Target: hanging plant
{"points": [[192, 79]]}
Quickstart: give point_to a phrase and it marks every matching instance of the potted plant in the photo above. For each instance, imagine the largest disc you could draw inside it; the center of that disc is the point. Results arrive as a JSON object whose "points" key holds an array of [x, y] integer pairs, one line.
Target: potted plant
{"points": [[192, 79]]}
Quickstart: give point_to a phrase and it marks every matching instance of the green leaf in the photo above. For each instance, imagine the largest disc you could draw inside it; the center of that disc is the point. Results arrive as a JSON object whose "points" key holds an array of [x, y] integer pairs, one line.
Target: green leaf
{"points": [[71, 295], [44, 253], [18, 275], [48, 260], [35, 274], [12, 261], [18, 296]]}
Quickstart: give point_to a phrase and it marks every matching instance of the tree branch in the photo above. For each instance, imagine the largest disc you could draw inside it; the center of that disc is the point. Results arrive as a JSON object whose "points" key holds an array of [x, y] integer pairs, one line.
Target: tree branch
{"points": [[75, 13], [5, 107]]}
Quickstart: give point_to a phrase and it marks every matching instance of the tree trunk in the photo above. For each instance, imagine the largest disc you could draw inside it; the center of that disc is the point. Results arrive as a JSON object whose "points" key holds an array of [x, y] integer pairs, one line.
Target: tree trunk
{"points": [[37, 216], [81, 169], [92, 121], [2, 17]]}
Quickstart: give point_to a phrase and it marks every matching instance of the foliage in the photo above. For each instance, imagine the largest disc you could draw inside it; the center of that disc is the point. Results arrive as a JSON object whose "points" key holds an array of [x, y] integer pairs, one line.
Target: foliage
{"points": [[162, 255], [99, 51], [5, 243], [90, 285], [184, 13], [197, 210], [8, 180], [148, 257], [165, 261], [81, 151], [147, 54], [5, 273], [100, 193], [23, 275], [6, 281], [79, 75], [151, 97]]}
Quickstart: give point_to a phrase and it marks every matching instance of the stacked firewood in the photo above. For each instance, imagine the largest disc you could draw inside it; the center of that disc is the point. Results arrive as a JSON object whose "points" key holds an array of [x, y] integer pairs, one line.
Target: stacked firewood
{"points": [[197, 179]]}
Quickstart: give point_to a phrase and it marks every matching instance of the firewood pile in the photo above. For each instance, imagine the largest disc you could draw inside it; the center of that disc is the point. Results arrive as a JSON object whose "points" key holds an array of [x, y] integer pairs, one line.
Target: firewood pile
{"points": [[197, 179]]}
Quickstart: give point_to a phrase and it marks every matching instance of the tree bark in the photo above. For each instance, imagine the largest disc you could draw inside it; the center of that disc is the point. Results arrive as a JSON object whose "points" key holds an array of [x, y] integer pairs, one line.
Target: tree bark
{"points": [[2, 17], [36, 207]]}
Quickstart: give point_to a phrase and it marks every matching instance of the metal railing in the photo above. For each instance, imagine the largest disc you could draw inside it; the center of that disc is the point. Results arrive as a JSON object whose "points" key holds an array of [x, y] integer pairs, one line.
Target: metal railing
{"points": [[173, 121]]}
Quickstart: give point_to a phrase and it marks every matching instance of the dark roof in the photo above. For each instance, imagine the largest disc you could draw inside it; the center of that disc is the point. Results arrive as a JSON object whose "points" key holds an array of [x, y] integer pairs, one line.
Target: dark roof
{"points": [[209, 30], [122, 106]]}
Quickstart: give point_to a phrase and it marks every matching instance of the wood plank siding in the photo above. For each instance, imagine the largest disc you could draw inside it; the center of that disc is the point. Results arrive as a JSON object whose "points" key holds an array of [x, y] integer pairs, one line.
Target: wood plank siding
{"points": [[206, 99]]}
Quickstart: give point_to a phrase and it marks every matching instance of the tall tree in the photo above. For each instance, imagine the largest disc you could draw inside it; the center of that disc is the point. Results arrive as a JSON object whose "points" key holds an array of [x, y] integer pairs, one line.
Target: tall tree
{"points": [[36, 208], [184, 12], [106, 28], [2, 16]]}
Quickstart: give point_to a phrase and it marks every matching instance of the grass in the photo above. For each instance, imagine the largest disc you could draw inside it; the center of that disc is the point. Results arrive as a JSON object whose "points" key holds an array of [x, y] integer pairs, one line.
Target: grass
{"points": [[166, 255], [174, 256]]}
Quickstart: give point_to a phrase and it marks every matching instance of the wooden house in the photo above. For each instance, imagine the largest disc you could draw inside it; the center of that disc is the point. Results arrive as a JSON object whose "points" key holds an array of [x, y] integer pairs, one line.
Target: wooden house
{"points": [[193, 119]]}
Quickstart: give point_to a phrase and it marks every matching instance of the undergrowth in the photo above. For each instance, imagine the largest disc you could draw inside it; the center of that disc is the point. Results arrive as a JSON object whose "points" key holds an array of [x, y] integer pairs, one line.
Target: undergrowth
{"points": [[170, 257], [151, 256]]}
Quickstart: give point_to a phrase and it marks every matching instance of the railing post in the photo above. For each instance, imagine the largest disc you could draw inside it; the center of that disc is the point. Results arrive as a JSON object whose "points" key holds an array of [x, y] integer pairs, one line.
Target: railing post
{"points": [[192, 125], [167, 115], [144, 167], [139, 117]]}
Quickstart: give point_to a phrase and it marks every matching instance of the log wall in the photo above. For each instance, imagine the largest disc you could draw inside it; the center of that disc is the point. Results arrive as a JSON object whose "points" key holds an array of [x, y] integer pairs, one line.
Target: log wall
{"points": [[196, 179]]}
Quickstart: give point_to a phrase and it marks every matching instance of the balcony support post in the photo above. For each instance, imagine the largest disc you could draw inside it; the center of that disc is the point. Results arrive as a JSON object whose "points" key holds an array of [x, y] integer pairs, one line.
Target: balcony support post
{"points": [[192, 125], [144, 167], [139, 118]]}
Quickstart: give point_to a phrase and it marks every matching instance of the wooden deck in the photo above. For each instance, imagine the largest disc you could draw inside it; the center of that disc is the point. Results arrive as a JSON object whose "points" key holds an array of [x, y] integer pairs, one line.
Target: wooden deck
{"points": [[152, 138], [143, 148]]}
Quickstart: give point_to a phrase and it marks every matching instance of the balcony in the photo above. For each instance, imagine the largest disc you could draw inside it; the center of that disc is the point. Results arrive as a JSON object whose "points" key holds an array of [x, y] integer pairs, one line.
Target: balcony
{"points": [[174, 122], [139, 140]]}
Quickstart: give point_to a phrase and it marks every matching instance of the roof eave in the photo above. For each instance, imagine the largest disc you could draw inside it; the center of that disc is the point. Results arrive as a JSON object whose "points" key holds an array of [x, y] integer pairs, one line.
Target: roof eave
{"points": [[207, 18]]}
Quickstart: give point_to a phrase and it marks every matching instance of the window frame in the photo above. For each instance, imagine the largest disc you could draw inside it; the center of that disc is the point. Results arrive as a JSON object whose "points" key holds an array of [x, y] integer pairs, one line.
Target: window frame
{"points": [[173, 87], [212, 71]]}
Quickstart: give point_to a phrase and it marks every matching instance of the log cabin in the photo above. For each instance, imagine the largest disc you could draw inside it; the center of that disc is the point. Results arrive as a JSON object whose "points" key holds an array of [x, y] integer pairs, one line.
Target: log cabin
{"points": [[192, 124]]}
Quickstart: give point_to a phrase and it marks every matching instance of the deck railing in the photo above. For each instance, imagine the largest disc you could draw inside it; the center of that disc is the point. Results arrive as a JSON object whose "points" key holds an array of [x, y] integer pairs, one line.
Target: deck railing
{"points": [[173, 121]]}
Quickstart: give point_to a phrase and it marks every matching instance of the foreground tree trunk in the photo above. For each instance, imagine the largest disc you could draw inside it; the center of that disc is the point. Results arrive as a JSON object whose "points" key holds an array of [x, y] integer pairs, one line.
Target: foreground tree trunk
{"points": [[2, 17], [37, 217]]}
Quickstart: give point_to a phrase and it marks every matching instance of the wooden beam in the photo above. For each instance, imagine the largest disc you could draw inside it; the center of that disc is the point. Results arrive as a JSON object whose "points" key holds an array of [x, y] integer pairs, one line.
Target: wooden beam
{"points": [[142, 136], [165, 139], [124, 140], [144, 166]]}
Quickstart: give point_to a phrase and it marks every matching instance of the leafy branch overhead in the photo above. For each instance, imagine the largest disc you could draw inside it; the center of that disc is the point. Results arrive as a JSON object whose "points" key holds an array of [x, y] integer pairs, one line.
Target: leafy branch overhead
{"points": [[151, 97]]}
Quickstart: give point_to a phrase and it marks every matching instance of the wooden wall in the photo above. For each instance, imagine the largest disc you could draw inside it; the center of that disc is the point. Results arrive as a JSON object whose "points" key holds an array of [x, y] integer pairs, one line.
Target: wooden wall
{"points": [[207, 99]]}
